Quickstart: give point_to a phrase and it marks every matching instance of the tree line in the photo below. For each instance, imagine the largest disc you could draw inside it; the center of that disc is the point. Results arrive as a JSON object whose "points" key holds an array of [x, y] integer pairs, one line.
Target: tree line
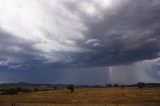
{"points": [[70, 87]]}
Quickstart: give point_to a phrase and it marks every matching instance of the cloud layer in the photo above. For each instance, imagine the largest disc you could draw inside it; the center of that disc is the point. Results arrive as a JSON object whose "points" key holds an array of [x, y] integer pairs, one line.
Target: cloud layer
{"points": [[76, 35], [79, 33]]}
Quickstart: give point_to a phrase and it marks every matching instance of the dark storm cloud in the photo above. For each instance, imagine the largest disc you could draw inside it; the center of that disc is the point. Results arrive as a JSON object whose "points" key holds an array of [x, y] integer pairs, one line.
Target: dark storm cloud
{"points": [[124, 35], [15, 53], [73, 41]]}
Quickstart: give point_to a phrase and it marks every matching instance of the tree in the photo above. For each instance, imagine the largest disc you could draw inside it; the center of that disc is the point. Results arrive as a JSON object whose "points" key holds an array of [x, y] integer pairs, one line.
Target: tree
{"points": [[116, 85], [10, 91], [109, 85], [55, 88], [71, 88], [122, 87], [36, 89], [141, 85]]}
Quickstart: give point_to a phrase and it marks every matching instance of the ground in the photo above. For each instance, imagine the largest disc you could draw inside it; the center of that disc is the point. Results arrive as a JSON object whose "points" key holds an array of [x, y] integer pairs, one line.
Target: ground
{"points": [[148, 96]]}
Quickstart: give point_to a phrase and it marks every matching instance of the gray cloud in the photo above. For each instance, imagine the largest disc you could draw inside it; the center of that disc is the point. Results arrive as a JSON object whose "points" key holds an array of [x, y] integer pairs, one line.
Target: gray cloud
{"points": [[154, 70], [80, 34], [128, 33], [16, 53], [125, 33]]}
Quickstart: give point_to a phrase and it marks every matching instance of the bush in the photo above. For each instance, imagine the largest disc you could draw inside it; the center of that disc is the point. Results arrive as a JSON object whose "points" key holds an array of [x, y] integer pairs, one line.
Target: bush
{"points": [[71, 88], [14, 91], [36, 90], [116, 85], [109, 85], [141, 85], [55, 88], [11, 91], [20, 89], [122, 87]]}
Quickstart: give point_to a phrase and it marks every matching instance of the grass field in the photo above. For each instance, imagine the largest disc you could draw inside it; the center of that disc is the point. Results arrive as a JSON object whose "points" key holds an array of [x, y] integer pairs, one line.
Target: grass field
{"points": [[89, 96]]}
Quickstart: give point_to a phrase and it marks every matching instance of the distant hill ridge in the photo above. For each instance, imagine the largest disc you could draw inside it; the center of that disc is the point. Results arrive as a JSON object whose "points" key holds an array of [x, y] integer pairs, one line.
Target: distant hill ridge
{"points": [[31, 85]]}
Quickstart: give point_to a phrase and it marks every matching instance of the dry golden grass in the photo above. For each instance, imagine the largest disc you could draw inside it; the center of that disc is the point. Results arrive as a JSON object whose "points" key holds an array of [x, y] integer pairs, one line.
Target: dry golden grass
{"points": [[87, 96]]}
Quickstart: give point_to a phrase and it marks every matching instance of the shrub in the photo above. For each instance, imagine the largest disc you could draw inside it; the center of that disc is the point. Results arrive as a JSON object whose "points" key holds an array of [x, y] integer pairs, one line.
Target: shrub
{"points": [[109, 85], [36, 90], [141, 85], [116, 85], [11, 91], [71, 88]]}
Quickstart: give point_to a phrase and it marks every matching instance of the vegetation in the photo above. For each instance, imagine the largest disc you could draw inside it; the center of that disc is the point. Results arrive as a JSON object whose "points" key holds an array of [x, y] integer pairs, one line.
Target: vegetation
{"points": [[55, 88], [109, 85], [36, 89], [11, 91], [112, 85], [122, 87], [14, 91], [71, 88], [92, 95], [141, 85], [86, 96], [116, 85]]}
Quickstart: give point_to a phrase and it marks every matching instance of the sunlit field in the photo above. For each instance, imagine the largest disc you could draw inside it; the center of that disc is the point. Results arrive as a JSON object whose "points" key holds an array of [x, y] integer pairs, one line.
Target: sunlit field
{"points": [[87, 96]]}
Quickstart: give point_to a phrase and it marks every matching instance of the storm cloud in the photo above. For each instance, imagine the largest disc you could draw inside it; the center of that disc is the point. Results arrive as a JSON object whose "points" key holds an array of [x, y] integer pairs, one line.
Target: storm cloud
{"points": [[127, 34], [44, 35]]}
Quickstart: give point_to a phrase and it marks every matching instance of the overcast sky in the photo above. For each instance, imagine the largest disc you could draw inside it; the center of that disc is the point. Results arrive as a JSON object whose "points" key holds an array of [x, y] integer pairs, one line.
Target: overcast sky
{"points": [[80, 41]]}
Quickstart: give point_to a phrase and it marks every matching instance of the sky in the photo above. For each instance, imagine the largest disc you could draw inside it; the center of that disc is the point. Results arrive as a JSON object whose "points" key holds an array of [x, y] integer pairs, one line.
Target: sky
{"points": [[87, 42]]}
